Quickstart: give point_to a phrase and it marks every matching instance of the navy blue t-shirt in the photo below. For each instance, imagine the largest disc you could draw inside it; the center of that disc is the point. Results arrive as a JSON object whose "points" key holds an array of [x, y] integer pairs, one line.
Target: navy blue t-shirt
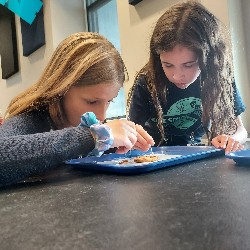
{"points": [[181, 115]]}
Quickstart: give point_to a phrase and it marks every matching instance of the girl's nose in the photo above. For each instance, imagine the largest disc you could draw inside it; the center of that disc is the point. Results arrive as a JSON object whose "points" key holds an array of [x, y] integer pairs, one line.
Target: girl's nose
{"points": [[101, 116], [178, 75], [101, 113]]}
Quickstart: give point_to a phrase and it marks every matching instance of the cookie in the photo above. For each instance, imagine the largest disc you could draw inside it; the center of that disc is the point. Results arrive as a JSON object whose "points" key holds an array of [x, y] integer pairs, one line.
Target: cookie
{"points": [[146, 158]]}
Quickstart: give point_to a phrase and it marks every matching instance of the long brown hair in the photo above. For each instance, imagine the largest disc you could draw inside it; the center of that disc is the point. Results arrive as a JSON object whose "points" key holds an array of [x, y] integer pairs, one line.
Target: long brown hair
{"points": [[82, 59], [191, 25]]}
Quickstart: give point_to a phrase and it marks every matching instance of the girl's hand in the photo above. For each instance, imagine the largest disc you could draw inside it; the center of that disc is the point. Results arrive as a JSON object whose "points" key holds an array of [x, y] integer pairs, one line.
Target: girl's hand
{"points": [[227, 142], [128, 135], [124, 135], [144, 140]]}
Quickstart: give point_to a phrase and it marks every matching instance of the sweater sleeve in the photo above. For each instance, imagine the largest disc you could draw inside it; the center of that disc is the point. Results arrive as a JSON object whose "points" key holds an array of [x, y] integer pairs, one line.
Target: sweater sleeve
{"points": [[25, 152]]}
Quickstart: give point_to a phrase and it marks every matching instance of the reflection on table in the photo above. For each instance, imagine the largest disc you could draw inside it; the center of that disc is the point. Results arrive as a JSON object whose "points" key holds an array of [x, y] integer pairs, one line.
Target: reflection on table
{"points": [[197, 205]]}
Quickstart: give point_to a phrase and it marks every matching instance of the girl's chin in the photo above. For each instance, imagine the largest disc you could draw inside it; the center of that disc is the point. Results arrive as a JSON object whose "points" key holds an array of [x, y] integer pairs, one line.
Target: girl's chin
{"points": [[182, 85]]}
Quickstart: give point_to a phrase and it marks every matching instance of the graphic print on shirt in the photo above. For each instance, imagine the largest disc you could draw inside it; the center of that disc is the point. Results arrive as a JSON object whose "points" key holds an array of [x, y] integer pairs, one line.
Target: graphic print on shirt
{"points": [[184, 113]]}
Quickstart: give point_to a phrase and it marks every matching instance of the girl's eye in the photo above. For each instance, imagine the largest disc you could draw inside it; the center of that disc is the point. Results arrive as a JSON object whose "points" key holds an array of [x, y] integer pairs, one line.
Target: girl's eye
{"points": [[189, 65], [91, 102], [166, 65]]}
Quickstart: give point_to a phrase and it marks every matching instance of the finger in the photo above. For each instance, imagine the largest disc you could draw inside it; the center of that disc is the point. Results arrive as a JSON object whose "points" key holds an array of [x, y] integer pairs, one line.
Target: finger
{"points": [[142, 144], [129, 126], [132, 138], [220, 141], [143, 136], [125, 146], [224, 141], [130, 123], [141, 140], [228, 148], [215, 142], [230, 145], [235, 146], [142, 147], [122, 150]]}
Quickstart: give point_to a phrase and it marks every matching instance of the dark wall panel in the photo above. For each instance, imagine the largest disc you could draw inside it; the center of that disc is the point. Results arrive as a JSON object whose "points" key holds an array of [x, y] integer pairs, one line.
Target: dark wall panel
{"points": [[8, 43], [33, 36], [134, 2]]}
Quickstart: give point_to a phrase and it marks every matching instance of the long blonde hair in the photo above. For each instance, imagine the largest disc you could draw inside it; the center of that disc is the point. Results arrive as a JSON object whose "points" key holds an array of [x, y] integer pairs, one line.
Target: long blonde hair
{"points": [[82, 59]]}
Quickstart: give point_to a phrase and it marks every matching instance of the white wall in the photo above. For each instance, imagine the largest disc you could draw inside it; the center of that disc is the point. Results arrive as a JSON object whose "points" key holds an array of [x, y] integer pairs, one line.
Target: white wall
{"points": [[61, 18], [67, 17], [219, 8], [29, 67], [137, 22], [239, 25]]}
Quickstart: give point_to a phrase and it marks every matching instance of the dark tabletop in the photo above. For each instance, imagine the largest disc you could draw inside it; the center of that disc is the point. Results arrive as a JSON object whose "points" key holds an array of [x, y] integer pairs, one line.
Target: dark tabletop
{"points": [[203, 204]]}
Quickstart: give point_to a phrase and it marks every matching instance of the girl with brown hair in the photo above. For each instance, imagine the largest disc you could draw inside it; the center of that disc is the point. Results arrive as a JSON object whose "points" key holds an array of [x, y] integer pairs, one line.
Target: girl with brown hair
{"points": [[187, 88]]}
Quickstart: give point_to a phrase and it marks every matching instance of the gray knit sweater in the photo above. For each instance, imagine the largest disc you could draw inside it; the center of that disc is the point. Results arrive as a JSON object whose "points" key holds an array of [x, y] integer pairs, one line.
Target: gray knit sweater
{"points": [[29, 145]]}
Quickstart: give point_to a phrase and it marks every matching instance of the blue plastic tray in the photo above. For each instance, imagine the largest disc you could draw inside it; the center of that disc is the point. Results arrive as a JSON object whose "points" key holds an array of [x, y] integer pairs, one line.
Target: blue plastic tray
{"points": [[240, 157], [179, 154]]}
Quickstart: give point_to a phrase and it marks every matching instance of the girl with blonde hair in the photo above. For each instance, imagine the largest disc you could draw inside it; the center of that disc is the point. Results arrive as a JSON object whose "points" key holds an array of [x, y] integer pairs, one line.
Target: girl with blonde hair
{"points": [[62, 115]]}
